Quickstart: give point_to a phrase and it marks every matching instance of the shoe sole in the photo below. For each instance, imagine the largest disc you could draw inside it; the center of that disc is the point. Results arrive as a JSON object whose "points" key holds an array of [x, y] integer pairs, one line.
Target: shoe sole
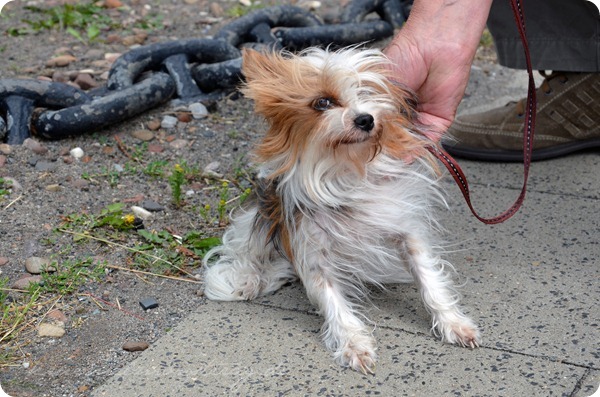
{"points": [[512, 156]]}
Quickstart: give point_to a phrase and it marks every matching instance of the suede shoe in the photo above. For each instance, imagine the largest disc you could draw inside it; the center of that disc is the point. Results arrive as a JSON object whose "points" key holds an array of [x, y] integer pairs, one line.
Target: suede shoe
{"points": [[567, 120]]}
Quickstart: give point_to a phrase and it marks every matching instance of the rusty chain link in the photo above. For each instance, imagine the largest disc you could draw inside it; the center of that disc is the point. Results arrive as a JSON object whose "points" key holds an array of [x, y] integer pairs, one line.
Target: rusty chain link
{"points": [[189, 70]]}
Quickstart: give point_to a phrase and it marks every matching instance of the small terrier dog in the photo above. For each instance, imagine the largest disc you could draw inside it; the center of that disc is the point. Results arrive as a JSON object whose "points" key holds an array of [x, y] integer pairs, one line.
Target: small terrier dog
{"points": [[345, 198]]}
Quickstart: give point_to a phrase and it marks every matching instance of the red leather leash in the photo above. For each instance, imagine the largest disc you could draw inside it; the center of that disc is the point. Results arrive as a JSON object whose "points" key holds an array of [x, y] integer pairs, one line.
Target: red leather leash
{"points": [[528, 134]]}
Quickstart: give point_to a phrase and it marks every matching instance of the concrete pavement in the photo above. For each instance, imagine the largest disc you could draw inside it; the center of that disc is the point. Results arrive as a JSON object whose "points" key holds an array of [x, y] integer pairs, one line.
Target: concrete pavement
{"points": [[532, 284]]}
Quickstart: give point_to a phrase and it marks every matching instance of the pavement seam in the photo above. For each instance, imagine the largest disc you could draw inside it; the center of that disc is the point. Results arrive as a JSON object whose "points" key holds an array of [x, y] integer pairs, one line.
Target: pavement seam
{"points": [[580, 382], [557, 360]]}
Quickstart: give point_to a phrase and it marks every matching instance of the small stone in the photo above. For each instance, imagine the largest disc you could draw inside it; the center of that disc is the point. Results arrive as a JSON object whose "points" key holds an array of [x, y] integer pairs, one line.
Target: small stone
{"points": [[138, 39], [184, 117], [37, 265], [14, 185], [135, 346], [112, 56], [154, 125], [168, 122], [119, 168], [35, 146], [179, 144], [3, 260], [53, 188], [77, 153], [5, 148], [149, 303], [152, 206], [58, 315], [141, 213], [45, 166], [60, 61], [23, 282], [216, 10], [60, 77], [143, 135], [112, 3], [155, 148], [199, 111], [2, 160], [26, 364], [211, 170], [81, 184], [85, 81], [50, 330], [93, 54]]}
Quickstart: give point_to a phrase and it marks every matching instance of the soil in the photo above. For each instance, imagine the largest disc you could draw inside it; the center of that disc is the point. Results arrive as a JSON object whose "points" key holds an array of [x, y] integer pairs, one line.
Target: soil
{"points": [[100, 316]]}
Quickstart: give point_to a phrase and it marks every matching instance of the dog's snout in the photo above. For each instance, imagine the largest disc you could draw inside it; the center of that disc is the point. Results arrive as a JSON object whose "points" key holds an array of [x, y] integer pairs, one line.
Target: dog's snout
{"points": [[365, 122]]}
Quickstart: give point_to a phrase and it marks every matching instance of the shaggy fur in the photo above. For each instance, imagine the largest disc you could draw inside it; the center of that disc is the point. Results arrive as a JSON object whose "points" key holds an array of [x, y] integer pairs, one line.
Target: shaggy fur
{"points": [[346, 198]]}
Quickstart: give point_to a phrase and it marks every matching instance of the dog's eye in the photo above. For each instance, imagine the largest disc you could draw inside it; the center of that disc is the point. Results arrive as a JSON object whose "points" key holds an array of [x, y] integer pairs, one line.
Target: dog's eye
{"points": [[323, 104]]}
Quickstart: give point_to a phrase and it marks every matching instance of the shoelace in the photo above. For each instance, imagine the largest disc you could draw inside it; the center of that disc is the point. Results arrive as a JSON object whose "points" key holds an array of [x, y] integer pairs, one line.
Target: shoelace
{"points": [[528, 135], [544, 88]]}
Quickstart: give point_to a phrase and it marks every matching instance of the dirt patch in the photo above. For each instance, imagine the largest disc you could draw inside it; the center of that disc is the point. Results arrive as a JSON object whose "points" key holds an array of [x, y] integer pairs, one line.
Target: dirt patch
{"points": [[49, 189]]}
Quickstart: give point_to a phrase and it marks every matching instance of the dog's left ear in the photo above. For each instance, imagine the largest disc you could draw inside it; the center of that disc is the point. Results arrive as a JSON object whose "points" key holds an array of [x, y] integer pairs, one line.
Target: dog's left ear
{"points": [[259, 66]]}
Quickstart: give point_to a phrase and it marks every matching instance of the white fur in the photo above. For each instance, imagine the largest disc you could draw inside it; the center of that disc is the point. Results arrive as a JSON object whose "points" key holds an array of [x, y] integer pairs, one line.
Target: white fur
{"points": [[375, 227]]}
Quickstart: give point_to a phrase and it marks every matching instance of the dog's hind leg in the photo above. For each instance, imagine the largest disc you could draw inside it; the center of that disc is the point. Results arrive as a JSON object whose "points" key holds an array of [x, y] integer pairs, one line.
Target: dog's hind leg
{"points": [[247, 266]]}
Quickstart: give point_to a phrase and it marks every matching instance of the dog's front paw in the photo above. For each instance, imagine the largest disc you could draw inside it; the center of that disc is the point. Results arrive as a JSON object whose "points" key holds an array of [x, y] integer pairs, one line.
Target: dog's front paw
{"points": [[464, 333], [359, 354]]}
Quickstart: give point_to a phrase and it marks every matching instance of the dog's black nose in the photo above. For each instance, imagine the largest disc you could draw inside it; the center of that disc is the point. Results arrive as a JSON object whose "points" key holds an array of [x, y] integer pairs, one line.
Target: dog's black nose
{"points": [[365, 122]]}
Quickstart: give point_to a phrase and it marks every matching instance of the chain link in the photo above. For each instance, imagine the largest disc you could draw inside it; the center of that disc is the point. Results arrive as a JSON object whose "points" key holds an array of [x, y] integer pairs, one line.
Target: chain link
{"points": [[186, 70]]}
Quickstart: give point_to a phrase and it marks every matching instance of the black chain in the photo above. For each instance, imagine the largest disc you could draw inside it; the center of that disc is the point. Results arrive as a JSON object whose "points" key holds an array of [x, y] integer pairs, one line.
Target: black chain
{"points": [[188, 70]]}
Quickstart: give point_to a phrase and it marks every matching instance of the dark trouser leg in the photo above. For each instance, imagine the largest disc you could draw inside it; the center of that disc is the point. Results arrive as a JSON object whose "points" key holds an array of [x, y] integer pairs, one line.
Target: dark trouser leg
{"points": [[562, 34]]}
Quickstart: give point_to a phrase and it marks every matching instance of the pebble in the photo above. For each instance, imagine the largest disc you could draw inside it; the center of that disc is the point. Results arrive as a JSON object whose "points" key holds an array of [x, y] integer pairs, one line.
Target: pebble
{"points": [[60, 61], [5, 148], [58, 315], [198, 110], [14, 185], [3, 260], [211, 170], [35, 146], [113, 3], [85, 81], [81, 184], [2, 160], [23, 283], [216, 9], [143, 135], [168, 122], [154, 125], [77, 153], [152, 206], [93, 54], [45, 166], [118, 168], [36, 265], [50, 330], [53, 188], [155, 148], [178, 144], [141, 212], [135, 346]]}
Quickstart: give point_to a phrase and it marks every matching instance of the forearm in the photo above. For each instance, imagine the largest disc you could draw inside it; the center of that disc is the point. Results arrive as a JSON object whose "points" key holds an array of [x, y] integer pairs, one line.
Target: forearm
{"points": [[454, 23]]}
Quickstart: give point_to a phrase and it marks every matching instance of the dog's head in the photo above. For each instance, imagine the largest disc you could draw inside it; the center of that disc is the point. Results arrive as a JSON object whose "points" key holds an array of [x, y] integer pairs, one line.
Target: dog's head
{"points": [[329, 103]]}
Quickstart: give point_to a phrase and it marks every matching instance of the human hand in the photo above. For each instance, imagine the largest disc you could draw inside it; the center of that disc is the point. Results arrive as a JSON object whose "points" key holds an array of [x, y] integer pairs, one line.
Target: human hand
{"points": [[432, 56]]}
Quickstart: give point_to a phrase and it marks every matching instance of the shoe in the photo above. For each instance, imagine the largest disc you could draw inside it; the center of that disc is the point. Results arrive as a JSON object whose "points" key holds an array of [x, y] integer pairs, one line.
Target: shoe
{"points": [[567, 120]]}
